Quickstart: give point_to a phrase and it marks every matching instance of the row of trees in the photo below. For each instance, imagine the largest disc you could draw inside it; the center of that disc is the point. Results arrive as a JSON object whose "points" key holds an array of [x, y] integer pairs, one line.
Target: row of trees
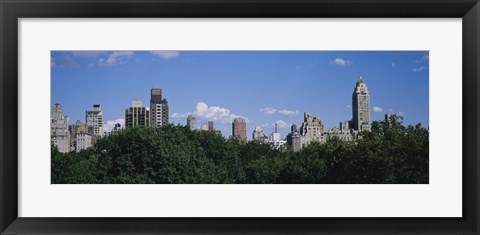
{"points": [[389, 154]]}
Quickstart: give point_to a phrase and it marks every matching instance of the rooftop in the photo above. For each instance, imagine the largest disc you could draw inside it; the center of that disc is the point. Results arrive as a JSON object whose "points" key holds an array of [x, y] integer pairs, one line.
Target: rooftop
{"points": [[360, 80]]}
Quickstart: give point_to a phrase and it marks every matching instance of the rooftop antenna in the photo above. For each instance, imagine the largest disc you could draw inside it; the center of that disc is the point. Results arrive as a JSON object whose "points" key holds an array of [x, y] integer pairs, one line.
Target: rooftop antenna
{"points": [[275, 127]]}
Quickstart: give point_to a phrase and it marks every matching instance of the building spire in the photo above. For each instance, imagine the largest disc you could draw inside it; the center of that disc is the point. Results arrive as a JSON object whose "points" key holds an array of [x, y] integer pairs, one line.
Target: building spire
{"points": [[360, 80], [361, 106]]}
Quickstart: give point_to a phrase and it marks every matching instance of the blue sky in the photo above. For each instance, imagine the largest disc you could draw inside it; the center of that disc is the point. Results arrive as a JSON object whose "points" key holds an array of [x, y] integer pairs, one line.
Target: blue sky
{"points": [[266, 87]]}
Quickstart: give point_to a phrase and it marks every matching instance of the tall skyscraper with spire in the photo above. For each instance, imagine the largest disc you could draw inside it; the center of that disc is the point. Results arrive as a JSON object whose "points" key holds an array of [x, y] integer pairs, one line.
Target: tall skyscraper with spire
{"points": [[361, 106]]}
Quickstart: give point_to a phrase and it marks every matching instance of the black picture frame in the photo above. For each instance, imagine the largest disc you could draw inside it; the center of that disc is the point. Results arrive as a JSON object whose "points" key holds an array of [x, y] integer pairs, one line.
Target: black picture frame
{"points": [[12, 10]]}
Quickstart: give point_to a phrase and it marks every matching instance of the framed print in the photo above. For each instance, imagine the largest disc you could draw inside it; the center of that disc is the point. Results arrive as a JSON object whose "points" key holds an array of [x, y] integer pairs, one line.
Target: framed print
{"points": [[239, 117]]}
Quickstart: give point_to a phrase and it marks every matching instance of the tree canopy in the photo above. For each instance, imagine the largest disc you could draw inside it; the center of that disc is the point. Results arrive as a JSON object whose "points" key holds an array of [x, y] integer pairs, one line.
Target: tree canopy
{"points": [[388, 154]]}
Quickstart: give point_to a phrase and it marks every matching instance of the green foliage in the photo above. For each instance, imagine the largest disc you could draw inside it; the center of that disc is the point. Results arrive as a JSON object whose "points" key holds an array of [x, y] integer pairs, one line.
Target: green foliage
{"points": [[389, 154]]}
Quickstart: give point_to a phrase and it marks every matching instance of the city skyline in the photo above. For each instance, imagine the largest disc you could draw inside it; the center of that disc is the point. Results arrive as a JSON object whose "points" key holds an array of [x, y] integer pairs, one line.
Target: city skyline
{"points": [[265, 87]]}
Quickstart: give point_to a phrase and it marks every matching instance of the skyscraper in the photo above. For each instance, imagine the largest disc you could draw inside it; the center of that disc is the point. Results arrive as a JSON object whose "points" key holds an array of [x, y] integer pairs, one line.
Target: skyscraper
{"points": [[310, 130], [311, 126], [293, 128], [137, 116], [94, 118], [158, 108], [344, 125], [239, 129], [210, 126], [84, 141], [293, 134], [361, 106], [59, 129], [81, 136], [191, 122]]}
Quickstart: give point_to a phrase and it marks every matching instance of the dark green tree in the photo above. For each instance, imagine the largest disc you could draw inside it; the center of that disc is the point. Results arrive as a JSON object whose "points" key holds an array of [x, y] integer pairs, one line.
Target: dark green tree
{"points": [[389, 153]]}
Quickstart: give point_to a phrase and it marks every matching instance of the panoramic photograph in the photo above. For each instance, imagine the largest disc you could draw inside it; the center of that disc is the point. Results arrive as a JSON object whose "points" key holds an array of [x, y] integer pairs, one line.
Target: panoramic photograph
{"points": [[239, 117]]}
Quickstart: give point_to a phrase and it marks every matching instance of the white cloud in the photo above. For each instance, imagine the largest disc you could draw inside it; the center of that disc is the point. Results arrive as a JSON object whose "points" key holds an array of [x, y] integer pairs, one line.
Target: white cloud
{"points": [[166, 55], [377, 109], [290, 113], [215, 113], [63, 61], [341, 62], [87, 53], [268, 111], [424, 58], [180, 115], [114, 58], [109, 125], [280, 124], [418, 69], [285, 112]]}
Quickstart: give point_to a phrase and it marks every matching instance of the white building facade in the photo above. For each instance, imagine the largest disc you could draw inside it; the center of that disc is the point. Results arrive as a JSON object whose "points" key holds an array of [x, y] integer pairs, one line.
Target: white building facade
{"points": [[59, 134], [84, 141], [94, 118], [275, 140]]}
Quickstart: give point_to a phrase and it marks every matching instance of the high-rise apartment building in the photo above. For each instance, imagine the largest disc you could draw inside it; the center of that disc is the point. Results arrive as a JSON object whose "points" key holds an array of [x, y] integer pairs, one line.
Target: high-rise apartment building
{"points": [[293, 128], [293, 134], [84, 141], [239, 129], [341, 134], [310, 131], [59, 133], [345, 125], [258, 135], [311, 126], [94, 118], [81, 129], [191, 122], [361, 106], [137, 116], [210, 126], [158, 108]]}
